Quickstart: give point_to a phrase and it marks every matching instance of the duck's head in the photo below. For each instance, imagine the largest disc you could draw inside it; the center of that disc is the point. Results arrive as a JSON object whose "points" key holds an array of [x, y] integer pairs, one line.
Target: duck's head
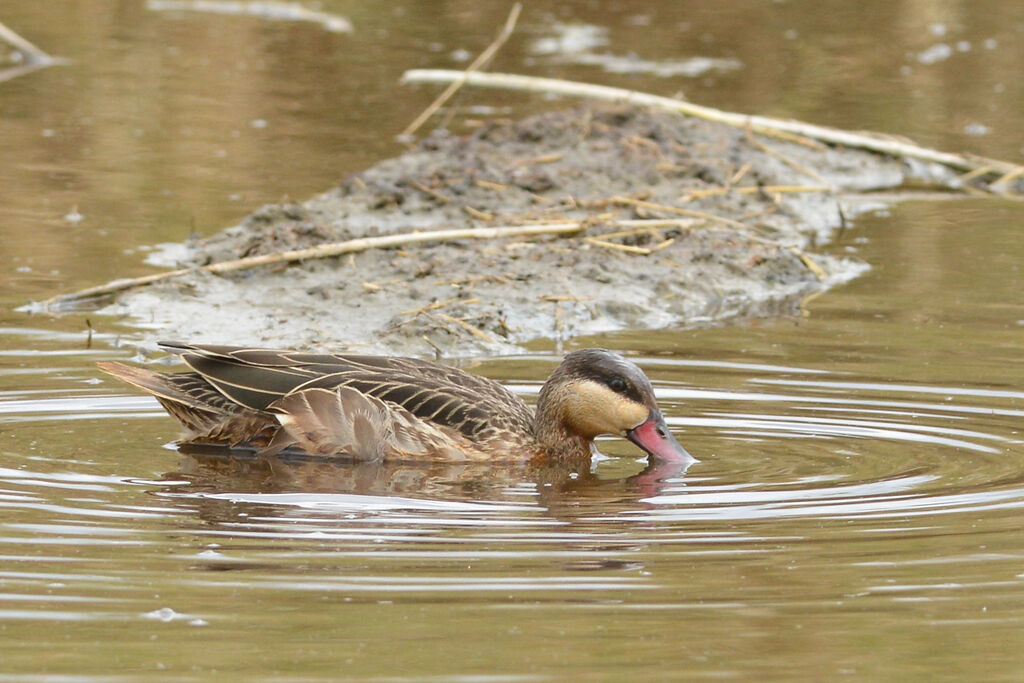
{"points": [[594, 392]]}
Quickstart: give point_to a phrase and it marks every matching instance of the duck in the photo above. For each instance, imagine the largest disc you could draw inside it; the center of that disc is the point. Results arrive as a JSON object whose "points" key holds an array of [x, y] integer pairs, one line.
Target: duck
{"points": [[389, 408]]}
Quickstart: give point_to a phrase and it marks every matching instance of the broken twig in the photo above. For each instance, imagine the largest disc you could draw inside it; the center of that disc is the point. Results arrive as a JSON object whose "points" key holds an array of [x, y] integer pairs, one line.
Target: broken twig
{"points": [[760, 124], [320, 251], [811, 265], [472, 329], [444, 199], [628, 248], [480, 61], [440, 304], [32, 57], [30, 53], [675, 209], [753, 189]]}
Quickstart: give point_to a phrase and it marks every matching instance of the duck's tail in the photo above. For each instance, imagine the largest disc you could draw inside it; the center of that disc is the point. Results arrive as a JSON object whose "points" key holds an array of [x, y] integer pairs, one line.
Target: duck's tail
{"points": [[206, 413]]}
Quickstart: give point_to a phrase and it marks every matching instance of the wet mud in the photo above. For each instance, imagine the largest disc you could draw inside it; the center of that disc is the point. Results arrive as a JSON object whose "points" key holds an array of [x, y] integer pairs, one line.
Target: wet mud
{"points": [[756, 222]]}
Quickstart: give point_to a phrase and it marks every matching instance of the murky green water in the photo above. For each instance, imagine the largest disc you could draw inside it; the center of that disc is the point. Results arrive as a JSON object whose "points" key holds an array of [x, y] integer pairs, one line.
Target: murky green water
{"points": [[857, 511]]}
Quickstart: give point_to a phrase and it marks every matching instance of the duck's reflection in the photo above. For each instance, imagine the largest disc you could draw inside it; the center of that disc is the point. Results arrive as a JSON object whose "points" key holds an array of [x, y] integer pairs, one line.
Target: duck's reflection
{"points": [[561, 490]]}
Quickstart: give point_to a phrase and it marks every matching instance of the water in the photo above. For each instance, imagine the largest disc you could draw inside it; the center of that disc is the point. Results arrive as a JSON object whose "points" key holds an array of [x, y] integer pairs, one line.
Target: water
{"points": [[856, 511]]}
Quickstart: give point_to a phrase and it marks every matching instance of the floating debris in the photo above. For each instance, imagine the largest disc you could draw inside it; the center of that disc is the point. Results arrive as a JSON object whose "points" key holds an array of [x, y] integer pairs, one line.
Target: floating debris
{"points": [[575, 44], [73, 216], [570, 39], [280, 11], [936, 53]]}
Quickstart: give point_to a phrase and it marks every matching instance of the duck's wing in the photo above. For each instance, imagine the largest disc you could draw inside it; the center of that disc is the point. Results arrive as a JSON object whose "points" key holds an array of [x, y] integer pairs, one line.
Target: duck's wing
{"points": [[476, 407], [346, 421], [253, 378]]}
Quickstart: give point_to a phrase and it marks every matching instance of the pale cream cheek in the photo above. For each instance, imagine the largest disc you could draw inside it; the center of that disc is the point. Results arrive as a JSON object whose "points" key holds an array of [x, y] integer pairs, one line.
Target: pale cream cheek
{"points": [[629, 415], [595, 409]]}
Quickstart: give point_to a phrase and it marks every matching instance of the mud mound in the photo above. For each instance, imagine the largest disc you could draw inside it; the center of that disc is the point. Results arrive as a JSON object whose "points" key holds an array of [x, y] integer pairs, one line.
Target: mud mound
{"points": [[746, 212]]}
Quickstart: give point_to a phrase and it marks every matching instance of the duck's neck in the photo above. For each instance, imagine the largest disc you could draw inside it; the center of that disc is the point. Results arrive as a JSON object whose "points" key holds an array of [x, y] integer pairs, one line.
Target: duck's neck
{"points": [[555, 439], [563, 446]]}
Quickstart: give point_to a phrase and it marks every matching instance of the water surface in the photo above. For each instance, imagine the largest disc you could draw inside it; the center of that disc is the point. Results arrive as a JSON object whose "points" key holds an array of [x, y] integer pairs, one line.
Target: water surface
{"points": [[857, 509]]}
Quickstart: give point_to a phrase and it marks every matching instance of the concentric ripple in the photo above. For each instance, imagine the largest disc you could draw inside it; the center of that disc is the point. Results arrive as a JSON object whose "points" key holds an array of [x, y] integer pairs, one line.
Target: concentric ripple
{"points": [[778, 445], [774, 441]]}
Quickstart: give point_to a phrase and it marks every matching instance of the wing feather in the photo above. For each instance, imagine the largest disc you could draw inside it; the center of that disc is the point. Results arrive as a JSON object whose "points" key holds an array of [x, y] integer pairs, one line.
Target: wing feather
{"points": [[344, 421], [478, 408]]}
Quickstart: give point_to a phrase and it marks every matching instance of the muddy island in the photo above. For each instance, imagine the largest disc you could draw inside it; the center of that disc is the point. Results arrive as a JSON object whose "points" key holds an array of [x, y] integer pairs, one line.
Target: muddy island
{"points": [[656, 220]]}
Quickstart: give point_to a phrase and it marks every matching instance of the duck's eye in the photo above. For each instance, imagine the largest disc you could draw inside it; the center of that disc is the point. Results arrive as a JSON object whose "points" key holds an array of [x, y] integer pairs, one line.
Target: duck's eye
{"points": [[617, 384]]}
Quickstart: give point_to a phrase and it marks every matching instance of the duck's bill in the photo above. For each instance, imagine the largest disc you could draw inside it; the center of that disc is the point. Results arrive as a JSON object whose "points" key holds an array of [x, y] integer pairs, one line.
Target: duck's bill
{"points": [[654, 437]]}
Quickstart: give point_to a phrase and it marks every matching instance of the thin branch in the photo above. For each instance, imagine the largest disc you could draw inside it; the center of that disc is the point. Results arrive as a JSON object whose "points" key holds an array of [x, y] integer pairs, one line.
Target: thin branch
{"points": [[440, 304], [628, 248], [480, 61], [665, 244], [760, 124], [652, 223], [13, 72], [476, 213], [792, 163], [444, 199], [32, 54], [752, 189], [319, 251], [629, 201], [809, 262], [542, 159], [32, 57], [472, 329]]}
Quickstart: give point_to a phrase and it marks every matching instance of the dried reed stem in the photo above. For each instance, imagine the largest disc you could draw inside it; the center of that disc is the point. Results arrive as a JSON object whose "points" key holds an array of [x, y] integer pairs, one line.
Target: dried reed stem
{"points": [[482, 59], [32, 57], [440, 304], [760, 124], [472, 329], [675, 209], [31, 53], [628, 248], [319, 251], [754, 189]]}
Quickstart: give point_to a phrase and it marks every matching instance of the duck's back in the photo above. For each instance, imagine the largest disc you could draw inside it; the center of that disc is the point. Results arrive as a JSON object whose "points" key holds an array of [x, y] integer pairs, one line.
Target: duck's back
{"points": [[399, 399]]}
